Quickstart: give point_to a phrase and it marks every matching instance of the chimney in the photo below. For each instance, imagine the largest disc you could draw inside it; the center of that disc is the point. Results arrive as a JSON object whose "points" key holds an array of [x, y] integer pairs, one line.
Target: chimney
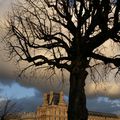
{"points": [[45, 101], [61, 100]]}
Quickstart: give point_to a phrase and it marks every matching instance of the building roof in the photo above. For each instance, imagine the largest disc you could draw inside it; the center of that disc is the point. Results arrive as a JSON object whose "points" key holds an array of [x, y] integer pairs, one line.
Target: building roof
{"points": [[103, 114]]}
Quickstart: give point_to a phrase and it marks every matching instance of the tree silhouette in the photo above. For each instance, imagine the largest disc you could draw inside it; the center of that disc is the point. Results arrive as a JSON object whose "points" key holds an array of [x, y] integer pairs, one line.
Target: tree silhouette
{"points": [[65, 35], [8, 108]]}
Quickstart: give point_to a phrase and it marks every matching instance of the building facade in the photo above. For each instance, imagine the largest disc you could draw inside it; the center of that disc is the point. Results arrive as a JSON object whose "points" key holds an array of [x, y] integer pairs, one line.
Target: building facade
{"points": [[55, 108]]}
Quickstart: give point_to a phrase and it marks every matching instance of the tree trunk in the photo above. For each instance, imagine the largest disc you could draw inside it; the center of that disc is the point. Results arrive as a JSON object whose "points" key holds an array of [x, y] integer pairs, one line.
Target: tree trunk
{"points": [[77, 99], [2, 118]]}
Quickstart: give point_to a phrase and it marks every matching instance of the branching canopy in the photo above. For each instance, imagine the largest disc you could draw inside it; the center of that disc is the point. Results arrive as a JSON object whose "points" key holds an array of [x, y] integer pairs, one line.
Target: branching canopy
{"points": [[55, 32]]}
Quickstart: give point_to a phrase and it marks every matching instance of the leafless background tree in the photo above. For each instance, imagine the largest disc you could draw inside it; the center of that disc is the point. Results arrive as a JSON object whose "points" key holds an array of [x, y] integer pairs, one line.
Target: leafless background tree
{"points": [[8, 108], [65, 35]]}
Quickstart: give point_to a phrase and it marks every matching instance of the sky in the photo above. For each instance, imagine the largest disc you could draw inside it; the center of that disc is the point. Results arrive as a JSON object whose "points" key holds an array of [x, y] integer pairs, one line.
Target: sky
{"points": [[29, 92]]}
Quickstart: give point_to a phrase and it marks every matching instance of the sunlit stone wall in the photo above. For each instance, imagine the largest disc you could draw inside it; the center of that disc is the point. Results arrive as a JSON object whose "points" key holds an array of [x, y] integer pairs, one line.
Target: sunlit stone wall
{"points": [[28, 116], [102, 116], [53, 108]]}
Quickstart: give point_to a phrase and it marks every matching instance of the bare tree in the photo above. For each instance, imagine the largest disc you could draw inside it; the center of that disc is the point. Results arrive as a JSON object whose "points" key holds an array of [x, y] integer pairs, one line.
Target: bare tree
{"points": [[65, 35], [8, 108]]}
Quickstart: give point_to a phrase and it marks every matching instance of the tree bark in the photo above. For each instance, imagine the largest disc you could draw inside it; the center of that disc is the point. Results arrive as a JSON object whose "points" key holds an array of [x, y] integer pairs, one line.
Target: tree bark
{"points": [[77, 99], [2, 118]]}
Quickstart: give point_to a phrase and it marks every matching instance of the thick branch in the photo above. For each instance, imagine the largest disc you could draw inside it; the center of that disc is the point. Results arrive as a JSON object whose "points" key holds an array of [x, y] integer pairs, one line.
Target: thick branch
{"points": [[41, 60], [106, 60], [99, 39]]}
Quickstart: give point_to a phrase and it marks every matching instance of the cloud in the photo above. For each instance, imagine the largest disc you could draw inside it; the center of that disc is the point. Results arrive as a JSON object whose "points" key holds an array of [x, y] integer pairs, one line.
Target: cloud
{"points": [[103, 104], [103, 81], [25, 102], [29, 104], [41, 79], [109, 89], [0, 90], [4, 7], [38, 79]]}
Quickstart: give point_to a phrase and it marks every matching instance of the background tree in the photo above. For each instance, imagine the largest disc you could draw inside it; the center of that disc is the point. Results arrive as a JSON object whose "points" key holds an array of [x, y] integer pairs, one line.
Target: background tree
{"points": [[65, 35], [8, 108]]}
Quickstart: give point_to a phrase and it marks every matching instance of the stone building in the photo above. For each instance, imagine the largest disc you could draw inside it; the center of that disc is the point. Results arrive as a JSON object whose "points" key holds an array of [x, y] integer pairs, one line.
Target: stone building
{"points": [[102, 116], [28, 116], [22, 116], [55, 108]]}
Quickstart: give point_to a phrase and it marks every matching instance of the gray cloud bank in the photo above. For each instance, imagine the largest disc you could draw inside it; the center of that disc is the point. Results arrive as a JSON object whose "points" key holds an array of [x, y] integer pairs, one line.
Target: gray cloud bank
{"points": [[30, 104], [99, 104], [25, 104], [40, 79], [104, 104]]}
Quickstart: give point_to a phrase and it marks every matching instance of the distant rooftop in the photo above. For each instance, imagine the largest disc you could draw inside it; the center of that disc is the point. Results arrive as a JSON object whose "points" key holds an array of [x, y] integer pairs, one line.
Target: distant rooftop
{"points": [[103, 114]]}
